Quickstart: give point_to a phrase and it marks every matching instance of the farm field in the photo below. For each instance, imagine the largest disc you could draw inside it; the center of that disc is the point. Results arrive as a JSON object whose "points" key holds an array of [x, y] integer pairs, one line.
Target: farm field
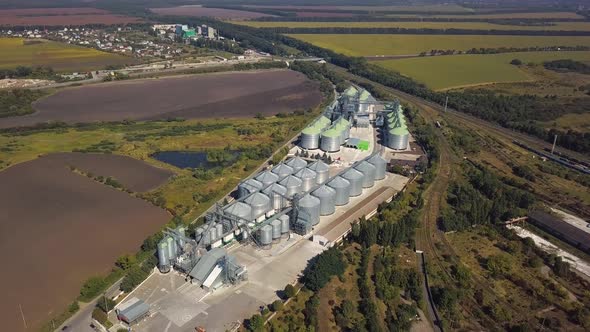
{"points": [[393, 44], [221, 95], [539, 15], [417, 8], [220, 13], [61, 16], [445, 72], [59, 56], [61, 228], [556, 26]]}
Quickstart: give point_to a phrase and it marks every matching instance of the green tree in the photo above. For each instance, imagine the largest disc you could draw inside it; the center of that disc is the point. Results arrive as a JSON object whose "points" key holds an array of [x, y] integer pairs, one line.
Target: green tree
{"points": [[277, 305], [105, 304], [73, 307], [256, 323], [91, 288], [289, 291], [499, 265], [126, 261]]}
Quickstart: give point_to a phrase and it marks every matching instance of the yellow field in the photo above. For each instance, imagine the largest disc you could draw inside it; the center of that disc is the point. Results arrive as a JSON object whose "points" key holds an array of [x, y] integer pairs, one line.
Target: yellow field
{"points": [[377, 45], [569, 26], [61, 57], [453, 71], [448, 8], [548, 15]]}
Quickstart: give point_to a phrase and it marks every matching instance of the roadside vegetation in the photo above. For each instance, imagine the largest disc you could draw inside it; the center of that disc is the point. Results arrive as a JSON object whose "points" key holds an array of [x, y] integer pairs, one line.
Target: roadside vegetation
{"points": [[18, 101]]}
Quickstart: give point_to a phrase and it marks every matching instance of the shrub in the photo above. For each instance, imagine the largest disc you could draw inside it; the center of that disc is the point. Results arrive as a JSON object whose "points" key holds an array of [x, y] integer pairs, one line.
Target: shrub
{"points": [[277, 306], [290, 291]]}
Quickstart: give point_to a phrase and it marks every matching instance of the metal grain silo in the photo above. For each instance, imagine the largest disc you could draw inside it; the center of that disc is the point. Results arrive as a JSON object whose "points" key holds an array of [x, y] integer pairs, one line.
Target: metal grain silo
{"points": [[356, 181], [296, 163], [330, 140], [213, 233], [310, 136], [380, 166], [199, 233], [322, 171], [276, 193], [368, 171], [276, 229], [327, 197], [398, 138], [240, 211], [293, 185], [247, 187], [265, 235], [267, 178], [342, 188], [260, 204], [282, 170], [171, 248], [308, 178], [163, 262], [284, 224], [219, 229], [309, 209], [206, 240]]}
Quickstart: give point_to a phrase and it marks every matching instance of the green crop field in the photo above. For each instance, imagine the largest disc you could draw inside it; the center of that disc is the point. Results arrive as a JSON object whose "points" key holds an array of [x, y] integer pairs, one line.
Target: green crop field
{"points": [[556, 26], [61, 57], [548, 15], [377, 45], [445, 72]]}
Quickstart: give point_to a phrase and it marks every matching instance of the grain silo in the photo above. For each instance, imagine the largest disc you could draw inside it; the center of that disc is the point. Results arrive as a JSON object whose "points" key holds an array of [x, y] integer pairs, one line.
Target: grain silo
{"points": [[199, 233], [343, 127], [240, 211], [356, 181], [267, 178], [327, 197], [309, 209], [213, 236], [293, 185], [206, 239], [172, 250], [322, 171], [397, 138], [247, 187], [308, 179], [260, 204], [163, 262], [342, 188], [368, 171], [282, 170], [276, 192], [276, 229], [265, 235], [296, 163], [330, 140], [380, 166], [310, 136], [219, 229], [284, 224]]}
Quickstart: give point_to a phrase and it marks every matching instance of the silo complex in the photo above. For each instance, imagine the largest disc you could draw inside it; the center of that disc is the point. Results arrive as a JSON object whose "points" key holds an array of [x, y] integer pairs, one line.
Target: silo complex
{"points": [[267, 178], [327, 197], [396, 130], [309, 209], [276, 193], [293, 185], [296, 164], [380, 166], [322, 170], [308, 179], [310, 136], [260, 204], [342, 188], [368, 171], [247, 187], [356, 181]]}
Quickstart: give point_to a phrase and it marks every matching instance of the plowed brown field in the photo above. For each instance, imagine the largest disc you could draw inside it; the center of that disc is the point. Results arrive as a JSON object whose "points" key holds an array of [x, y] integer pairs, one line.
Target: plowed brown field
{"points": [[220, 13], [58, 228], [222, 95], [61, 16]]}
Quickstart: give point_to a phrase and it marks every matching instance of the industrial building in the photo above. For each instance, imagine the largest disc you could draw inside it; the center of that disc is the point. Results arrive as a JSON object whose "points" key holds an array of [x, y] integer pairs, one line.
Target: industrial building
{"points": [[132, 310]]}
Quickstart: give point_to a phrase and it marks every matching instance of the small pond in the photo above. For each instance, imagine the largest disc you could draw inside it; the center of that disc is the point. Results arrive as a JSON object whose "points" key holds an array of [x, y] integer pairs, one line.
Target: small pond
{"points": [[193, 159]]}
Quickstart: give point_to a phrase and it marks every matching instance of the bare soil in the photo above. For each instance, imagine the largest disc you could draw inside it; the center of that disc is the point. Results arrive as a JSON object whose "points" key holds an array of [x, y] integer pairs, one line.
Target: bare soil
{"points": [[219, 13], [61, 16], [135, 175], [221, 95], [57, 229]]}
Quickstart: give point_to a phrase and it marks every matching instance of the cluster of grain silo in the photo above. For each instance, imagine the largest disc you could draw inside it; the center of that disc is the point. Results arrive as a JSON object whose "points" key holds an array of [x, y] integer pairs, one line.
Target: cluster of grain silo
{"points": [[380, 166], [396, 131], [308, 178], [368, 171], [310, 136], [277, 192], [296, 163], [342, 189], [327, 197], [309, 209], [260, 204], [356, 181], [335, 136], [248, 187], [322, 171]]}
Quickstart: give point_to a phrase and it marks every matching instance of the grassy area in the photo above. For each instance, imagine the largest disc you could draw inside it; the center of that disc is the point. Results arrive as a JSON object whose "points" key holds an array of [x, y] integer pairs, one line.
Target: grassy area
{"points": [[548, 15], [444, 72], [375, 45], [59, 56], [574, 121], [140, 140], [570, 26]]}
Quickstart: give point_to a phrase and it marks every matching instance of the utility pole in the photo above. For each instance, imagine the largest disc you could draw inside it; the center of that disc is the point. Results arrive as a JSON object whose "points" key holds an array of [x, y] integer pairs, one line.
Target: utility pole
{"points": [[446, 103], [554, 141], [23, 315]]}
